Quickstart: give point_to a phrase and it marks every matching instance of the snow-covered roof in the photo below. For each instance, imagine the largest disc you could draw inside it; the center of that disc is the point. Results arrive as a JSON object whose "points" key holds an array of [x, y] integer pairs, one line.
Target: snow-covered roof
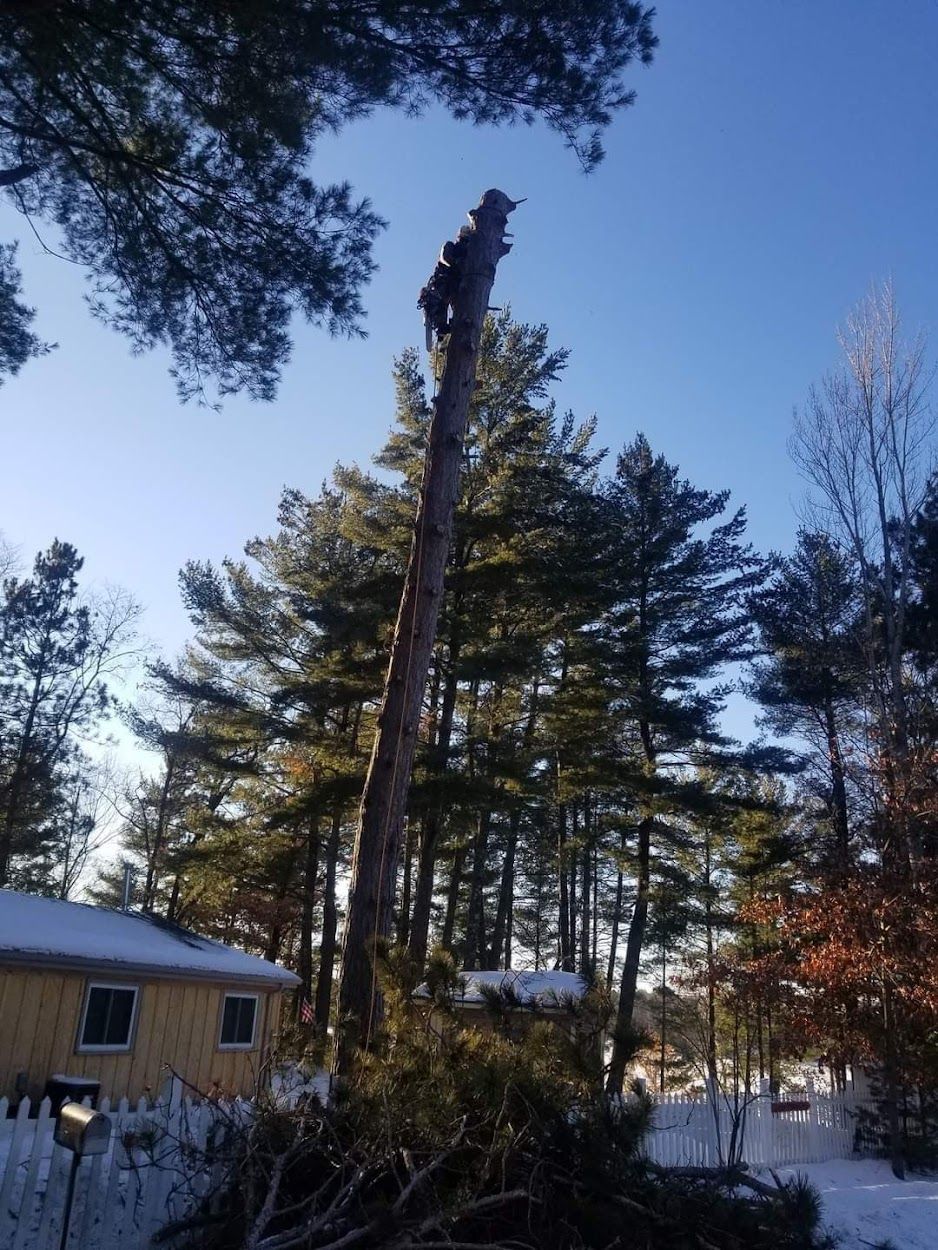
{"points": [[543, 989], [48, 931]]}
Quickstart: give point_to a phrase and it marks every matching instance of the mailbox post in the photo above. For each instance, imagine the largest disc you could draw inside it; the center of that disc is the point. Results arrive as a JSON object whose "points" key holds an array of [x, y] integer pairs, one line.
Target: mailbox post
{"points": [[83, 1132]]}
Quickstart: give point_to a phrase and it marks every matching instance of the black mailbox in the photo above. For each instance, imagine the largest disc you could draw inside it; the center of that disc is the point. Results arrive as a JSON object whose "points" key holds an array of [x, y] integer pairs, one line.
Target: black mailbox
{"points": [[83, 1131], [62, 1088]]}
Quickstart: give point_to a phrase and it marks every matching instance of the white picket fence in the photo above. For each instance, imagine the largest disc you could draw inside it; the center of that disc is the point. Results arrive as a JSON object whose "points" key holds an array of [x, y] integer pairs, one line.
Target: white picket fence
{"points": [[698, 1132], [147, 1178], [122, 1196]]}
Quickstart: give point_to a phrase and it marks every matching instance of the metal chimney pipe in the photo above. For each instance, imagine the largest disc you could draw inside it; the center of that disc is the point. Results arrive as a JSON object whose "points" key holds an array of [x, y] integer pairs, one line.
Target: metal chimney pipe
{"points": [[128, 886]]}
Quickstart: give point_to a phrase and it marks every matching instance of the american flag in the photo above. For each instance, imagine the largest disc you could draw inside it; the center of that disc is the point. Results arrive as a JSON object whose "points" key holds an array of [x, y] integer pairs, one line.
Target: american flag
{"points": [[306, 1011]]}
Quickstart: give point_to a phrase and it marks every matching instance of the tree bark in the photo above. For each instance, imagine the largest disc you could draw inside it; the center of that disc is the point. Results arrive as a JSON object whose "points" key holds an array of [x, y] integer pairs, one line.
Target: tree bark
{"points": [[403, 916], [304, 963], [594, 959], [571, 888], [330, 920], [586, 892], [509, 923], [502, 925], [664, 1014], [475, 920], [838, 792], [377, 844], [452, 898], [711, 974], [633, 953], [891, 1084], [282, 893], [565, 953], [433, 824], [617, 911]]}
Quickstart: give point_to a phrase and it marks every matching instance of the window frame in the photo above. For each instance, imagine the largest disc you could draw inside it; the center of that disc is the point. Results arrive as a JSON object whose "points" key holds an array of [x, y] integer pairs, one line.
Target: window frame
{"points": [[107, 1048], [252, 1044]]}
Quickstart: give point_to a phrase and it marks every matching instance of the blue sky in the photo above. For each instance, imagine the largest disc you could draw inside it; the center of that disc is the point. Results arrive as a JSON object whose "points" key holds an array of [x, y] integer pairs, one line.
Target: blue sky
{"points": [[780, 158]]}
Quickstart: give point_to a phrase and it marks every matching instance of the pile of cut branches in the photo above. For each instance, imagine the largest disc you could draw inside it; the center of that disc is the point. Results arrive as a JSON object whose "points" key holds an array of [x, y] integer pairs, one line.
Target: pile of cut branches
{"points": [[454, 1136]]}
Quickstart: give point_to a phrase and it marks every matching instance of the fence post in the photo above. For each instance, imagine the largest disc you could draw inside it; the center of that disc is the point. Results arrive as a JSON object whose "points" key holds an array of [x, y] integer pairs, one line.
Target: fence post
{"points": [[170, 1095], [760, 1144], [815, 1135]]}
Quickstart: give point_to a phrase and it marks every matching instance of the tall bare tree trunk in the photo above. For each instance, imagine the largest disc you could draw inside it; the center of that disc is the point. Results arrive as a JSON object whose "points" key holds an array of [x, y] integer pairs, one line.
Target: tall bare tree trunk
{"points": [[330, 921], [310, 873], [384, 800], [588, 920], [616, 915], [838, 801], [475, 920], [403, 917], [595, 954], [565, 952], [502, 926], [433, 822], [280, 896], [633, 954], [571, 887], [509, 926], [664, 1013], [452, 898]]}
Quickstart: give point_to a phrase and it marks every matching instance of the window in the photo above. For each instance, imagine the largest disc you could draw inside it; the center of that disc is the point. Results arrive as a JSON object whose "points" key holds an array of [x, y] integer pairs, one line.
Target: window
{"points": [[238, 1019], [107, 1022]]}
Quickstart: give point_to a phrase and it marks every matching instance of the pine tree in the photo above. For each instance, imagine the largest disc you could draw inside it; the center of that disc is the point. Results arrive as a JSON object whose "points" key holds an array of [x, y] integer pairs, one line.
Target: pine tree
{"points": [[515, 559], [681, 584], [18, 343], [286, 670], [170, 145], [810, 685]]}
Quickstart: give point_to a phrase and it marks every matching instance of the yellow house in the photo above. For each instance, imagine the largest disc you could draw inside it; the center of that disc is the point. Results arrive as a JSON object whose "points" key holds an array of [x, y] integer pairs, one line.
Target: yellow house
{"points": [[123, 997]]}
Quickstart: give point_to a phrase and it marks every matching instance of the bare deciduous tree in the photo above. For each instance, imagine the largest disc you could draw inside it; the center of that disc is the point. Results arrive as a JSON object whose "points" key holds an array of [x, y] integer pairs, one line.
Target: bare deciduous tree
{"points": [[864, 442], [86, 824], [9, 559], [59, 649]]}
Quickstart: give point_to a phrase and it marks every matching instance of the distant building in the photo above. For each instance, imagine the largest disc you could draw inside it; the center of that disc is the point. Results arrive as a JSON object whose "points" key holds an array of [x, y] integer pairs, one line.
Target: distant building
{"points": [[546, 994], [120, 997]]}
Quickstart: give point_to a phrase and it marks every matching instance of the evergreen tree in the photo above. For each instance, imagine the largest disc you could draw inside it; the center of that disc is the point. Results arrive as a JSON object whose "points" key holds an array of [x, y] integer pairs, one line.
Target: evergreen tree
{"points": [[924, 554], [517, 557], [287, 666], [170, 145], [923, 668], [286, 670], [18, 343], [810, 685], [679, 618]]}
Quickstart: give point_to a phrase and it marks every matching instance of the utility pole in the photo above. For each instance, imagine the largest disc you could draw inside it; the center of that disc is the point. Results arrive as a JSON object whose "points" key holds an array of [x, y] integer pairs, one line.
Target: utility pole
{"points": [[384, 800]]}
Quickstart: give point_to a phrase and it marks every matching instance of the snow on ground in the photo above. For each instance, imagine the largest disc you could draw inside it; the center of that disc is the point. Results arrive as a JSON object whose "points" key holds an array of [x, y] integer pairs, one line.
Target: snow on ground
{"points": [[866, 1205], [291, 1082]]}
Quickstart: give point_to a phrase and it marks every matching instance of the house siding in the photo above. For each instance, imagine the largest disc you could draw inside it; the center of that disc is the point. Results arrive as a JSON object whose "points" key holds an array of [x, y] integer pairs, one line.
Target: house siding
{"points": [[177, 1026]]}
